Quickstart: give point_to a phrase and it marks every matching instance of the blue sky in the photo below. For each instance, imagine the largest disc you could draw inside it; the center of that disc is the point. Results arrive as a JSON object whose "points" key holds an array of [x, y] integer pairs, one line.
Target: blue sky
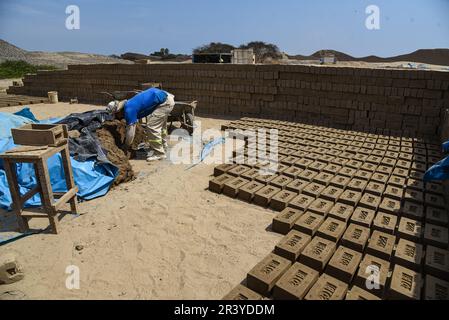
{"points": [[296, 26]]}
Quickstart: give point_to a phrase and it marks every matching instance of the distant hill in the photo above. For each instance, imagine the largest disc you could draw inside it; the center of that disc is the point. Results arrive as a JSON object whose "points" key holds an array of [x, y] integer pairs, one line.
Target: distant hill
{"points": [[56, 59], [429, 56]]}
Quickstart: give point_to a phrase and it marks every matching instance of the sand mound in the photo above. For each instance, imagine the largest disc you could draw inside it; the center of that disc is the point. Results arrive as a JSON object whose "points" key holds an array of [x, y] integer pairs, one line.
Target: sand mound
{"points": [[112, 137]]}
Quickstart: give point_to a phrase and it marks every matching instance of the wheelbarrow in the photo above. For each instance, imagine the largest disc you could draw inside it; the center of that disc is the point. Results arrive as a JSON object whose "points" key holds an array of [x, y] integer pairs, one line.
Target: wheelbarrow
{"points": [[183, 112]]}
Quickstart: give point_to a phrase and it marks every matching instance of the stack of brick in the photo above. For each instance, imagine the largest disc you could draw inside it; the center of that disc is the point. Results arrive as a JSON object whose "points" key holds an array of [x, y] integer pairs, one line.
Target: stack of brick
{"points": [[358, 219], [349, 98]]}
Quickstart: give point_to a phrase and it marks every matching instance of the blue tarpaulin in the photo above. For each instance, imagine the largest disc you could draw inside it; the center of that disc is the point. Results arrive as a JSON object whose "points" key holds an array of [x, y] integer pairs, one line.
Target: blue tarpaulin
{"points": [[92, 178], [440, 170]]}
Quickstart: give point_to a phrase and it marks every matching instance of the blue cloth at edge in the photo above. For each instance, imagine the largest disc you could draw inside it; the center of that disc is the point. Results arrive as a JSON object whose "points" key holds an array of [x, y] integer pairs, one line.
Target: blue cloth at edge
{"points": [[93, 179]]}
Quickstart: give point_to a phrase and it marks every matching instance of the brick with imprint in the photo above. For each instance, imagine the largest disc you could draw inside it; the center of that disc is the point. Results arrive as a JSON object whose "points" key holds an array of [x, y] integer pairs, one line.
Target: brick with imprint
{"points": [[436, 236], [356, 237], [265, 178], [297, 185], [340, 181], [238, 170], [413, 195], [397, 181], [341, 211], [250, 174], [327, 288], [405, 284], [437, 216], [435, 201], [317, 253], [266, 273], [242, 293], [409, 255], [222, 169], [363, 174], [301, 202], [344, 264], [385, 222], [246, 192], [412, 210], [291, 246], [381, 245], [285, 220], [373, 274], [313, 189], [280, 201], [216, 184], [436, 289], [309, 223], [295, 283], [332, 229], [231, 188], [332, 168], [292, 172], [264, 195], [350, 197], [437, 262], [323, 178], [390, 206], [370, 201]]}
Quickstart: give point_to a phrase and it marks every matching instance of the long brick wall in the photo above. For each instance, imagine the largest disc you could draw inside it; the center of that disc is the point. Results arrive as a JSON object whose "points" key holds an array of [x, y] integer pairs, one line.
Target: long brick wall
{"points": [[402, 101]]}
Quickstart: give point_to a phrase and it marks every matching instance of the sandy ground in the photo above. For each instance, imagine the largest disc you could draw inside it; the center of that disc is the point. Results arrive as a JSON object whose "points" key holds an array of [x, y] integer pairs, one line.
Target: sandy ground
{"points": [[162, 236]]}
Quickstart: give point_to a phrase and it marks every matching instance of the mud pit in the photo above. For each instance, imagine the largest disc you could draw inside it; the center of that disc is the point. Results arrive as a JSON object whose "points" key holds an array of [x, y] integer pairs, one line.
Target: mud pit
{"points": [[112, 138]]}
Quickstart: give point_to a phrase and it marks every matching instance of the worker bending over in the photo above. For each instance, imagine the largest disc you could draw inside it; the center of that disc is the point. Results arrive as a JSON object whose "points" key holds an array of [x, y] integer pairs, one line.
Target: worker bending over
{"points": [[154, 104]]}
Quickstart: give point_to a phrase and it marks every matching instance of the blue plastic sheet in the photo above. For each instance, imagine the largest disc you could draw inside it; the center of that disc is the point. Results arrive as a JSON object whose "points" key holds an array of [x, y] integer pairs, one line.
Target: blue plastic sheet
{"points": [[440, 170], [92, 178]]}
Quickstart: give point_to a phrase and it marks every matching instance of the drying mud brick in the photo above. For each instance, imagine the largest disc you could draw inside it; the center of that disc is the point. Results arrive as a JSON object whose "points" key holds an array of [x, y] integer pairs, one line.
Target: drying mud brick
{"points": [[222, 169], [238, 170], [405, 284], [436, 289], [297, 185], [375, 188], [410, 229], [373, 274], [295, 283], [332, 168], [281, 181], [397, 181], [381, 245], [436, 236], [393, 192], [363, 217], [370, 201], [340, 181], [246, 193], [385, 222], [265, 178], [357, 185], [323, 178], [280, 201], [321, 206], [216, 184], [331, 193], [303, 163], [341, 212], [327, 288], [313, 189], [413, 210], [356, 237], [409, 254], [390, 206], [317, 166], [250, 174], [437, 262], [344, 264], [301, 202], [357, 293], [347, 172], [264, 195], [435, 201], [413, 195], [332, 229], [285, 220], [307, 175], [292, 245], [292, 172], [309, 223], [415, 185], [434, 188], [317, 253], [231, 188], [437, 216], [363, 174], [350, 197], [265, 274], [242, 293]]}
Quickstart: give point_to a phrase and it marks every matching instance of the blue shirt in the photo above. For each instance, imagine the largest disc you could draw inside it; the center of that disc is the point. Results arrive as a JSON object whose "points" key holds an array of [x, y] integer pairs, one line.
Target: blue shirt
{"points": [[143, 104]]}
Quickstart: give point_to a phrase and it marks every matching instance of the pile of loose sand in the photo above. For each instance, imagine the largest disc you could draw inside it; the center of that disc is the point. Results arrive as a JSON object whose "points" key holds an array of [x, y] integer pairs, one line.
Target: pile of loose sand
{"points": [[112, 138]]}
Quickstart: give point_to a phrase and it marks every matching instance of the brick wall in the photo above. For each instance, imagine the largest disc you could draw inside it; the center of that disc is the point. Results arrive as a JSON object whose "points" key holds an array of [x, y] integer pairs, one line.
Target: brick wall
{"points": [[406, 101]]}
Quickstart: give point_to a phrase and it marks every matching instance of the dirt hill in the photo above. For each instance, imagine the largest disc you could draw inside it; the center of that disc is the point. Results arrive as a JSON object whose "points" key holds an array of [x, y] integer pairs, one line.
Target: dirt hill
{"points": [[57, 59]]}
